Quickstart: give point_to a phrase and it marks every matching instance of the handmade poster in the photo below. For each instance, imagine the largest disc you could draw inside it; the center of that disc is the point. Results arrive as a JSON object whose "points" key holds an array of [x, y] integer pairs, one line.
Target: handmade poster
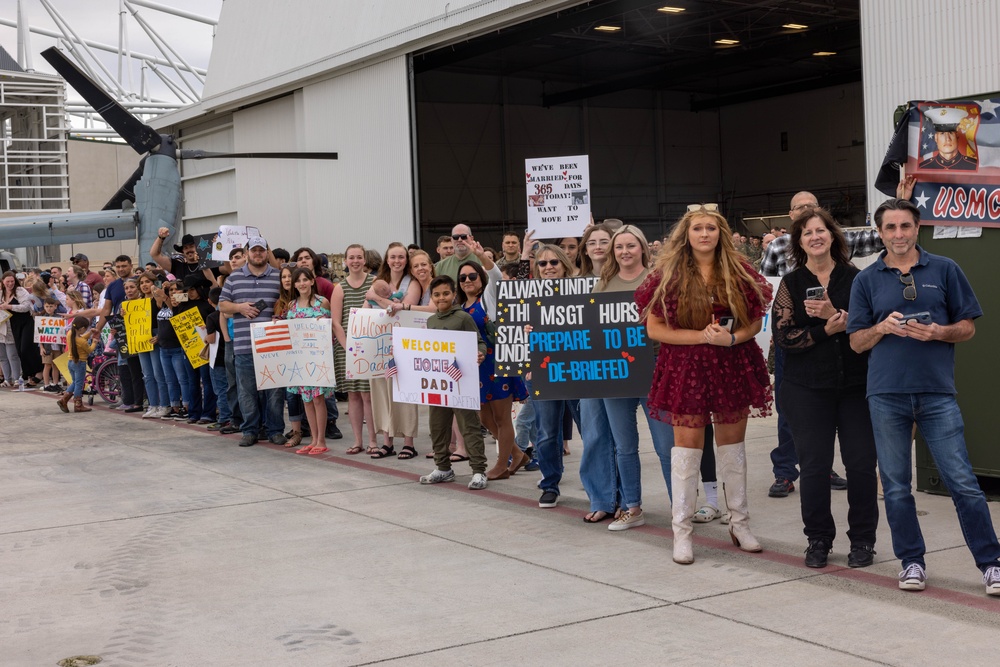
{"points": [[138, 322], [589, 346], [435, 367], [369, 339], [558, 191], [117, 325], [50, 330], [293, 353], [515, 299], [229, 237], [190, 329], [953, 149], [4, 316], [62, 363], [763, 336]]}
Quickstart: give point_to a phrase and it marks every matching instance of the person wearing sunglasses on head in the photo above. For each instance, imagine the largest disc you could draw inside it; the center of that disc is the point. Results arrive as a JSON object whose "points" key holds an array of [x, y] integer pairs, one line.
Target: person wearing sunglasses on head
{"points": [[464, 242], [910, 308]]}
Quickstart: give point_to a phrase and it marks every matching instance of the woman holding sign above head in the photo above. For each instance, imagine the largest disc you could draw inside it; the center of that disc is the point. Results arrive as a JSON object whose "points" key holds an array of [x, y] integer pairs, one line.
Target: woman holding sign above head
{"points": [[309, 303], [350, 293], [705, 304], [496, 395]]}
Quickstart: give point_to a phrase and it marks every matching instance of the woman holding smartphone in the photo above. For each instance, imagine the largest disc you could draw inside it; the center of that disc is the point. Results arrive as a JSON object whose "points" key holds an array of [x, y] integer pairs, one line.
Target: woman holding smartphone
{"points": [[823, 389], [704, 372]]}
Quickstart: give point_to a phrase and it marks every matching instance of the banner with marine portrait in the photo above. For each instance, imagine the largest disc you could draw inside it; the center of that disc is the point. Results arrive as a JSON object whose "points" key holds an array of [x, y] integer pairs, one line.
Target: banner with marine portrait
{"points": [[952, 148]]}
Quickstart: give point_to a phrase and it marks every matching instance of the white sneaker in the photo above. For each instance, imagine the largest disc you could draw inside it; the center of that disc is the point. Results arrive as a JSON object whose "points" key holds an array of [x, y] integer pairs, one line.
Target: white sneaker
{"points": [[438, 476], [991, 577], [628, 520], [913, 578], [478, 482], [152, 413]]}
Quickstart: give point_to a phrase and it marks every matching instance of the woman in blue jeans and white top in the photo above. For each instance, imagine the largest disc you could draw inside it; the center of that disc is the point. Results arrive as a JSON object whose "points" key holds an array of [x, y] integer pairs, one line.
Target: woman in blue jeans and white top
{"points": [[624, 270]]}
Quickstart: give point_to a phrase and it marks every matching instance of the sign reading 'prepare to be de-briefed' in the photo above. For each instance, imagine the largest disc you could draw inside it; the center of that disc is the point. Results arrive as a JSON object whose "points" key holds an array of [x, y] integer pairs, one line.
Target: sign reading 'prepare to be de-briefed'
{"points": [[589, 346], [515, 301], [558, 190]]}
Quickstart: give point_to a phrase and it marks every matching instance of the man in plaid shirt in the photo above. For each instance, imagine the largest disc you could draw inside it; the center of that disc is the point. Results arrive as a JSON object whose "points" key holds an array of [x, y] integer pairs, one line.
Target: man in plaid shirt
{"points": [[777, 262]]}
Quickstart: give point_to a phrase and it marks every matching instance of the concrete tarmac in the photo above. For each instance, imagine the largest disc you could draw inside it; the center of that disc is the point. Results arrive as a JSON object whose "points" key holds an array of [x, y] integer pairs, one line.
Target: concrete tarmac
{"points": [[155, 543]]}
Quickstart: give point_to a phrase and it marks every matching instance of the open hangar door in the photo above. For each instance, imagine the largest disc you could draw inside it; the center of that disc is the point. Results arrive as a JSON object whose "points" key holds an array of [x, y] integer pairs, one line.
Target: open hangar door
{"points": [[726, 101]]}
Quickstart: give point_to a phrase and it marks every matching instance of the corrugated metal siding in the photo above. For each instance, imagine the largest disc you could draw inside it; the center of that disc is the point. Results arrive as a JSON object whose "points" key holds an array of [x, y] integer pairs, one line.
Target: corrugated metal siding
{"points": [[366, 196], [209, 185], [922, 49]]}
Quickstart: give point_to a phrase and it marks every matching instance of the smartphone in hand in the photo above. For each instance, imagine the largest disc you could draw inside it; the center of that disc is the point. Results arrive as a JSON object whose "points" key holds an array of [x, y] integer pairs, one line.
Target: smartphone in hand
{"points": [[815, 293], [726, 322]]}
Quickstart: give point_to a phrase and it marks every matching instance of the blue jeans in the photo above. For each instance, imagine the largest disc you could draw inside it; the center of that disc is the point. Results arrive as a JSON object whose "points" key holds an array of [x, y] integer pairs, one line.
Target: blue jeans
{"points": [[940, 422], [525, 432], [332, 411], [220, 385], [175, 370], [625, 427], [232, 394], [152, 377], [598, 470], [549, 445], [296, 408], [252, 401], [784, 460], [77, 371]]}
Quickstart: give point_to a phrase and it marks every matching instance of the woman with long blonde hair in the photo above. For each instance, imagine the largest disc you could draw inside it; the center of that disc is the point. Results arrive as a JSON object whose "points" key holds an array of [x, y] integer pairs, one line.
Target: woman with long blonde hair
{"points": [[705, 304]]}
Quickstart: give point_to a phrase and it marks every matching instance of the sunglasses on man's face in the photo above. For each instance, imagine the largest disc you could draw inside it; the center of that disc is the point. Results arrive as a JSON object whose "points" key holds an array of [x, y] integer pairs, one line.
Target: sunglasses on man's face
{"points": [[459, 237], [698, 207], [547, 262], [909, 289]]}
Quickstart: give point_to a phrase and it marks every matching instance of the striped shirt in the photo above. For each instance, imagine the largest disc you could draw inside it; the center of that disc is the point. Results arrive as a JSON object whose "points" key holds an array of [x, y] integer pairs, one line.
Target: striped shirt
{"points": [[244, 287]]}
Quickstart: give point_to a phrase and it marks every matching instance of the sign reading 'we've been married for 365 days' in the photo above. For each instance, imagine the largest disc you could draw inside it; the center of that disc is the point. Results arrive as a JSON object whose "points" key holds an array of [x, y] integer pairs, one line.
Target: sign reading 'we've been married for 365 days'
{"points": [[293, 353], [558, 195]]}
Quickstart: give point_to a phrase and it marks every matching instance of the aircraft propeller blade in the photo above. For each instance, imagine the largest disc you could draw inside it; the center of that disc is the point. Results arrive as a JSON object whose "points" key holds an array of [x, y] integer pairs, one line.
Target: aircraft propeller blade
{"points": [[137, 134], [194, 154], [126, 192]]}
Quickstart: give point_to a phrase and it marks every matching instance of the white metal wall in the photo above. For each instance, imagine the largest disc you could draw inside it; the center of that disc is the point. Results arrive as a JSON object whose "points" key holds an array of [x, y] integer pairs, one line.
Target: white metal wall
{"points": [[210, 198], [922, 49]]}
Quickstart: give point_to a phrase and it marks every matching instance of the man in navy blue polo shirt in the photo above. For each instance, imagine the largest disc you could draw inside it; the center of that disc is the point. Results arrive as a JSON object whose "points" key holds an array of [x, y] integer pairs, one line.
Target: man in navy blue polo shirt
{"points": [[256, 284], [911, 379]]}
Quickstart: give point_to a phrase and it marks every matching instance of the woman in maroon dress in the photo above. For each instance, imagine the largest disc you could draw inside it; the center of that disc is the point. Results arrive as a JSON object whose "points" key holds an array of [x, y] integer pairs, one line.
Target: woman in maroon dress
{"points": [[705, 303]]}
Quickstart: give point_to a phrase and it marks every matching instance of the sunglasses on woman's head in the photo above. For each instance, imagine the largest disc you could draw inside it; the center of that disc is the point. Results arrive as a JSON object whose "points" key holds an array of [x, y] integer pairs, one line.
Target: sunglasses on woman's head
{"points": [[698, 207]]}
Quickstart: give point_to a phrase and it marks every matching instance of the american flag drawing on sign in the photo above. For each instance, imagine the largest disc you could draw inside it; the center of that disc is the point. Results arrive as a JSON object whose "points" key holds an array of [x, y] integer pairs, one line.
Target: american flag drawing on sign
{"points": [[391, 369], [454, 372], [273, 338]]}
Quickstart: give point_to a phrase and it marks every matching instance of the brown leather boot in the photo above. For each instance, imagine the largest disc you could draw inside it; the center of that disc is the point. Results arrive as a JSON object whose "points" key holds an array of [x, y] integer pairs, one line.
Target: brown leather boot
{"points": [[78, 406], [63, 402]]}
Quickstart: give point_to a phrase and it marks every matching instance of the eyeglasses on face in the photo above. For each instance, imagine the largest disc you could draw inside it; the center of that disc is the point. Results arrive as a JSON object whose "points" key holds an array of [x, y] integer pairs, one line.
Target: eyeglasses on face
{"points": [[698, 207], [547, 262], [909, 289], [459, 237], [468, 277]]}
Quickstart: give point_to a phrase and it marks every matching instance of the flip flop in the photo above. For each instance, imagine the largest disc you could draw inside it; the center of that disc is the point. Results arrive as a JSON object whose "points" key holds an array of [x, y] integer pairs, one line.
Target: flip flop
{"points": [[357, 449], [429, 455], [305, 450], [318, 450], [457, 458], [607, 516]]}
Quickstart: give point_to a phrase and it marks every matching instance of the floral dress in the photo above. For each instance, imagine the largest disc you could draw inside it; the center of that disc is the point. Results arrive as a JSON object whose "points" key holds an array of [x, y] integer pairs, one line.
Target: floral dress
{"points": [[313, 310], [491, 387], [696, 384]]}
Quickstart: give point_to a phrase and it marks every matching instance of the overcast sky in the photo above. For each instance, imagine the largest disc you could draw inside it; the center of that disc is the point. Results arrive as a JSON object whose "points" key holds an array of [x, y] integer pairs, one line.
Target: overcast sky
{"points": [[98, 20]]}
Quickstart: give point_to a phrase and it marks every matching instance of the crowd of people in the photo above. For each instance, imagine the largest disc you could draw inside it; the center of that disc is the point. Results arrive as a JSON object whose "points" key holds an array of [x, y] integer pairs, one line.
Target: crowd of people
{"points": [[841, 340]]}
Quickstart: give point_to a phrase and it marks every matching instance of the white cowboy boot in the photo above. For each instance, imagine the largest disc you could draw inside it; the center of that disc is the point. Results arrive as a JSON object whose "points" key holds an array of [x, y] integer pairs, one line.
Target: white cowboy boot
{"points": [[732, 463], [684, 468]]}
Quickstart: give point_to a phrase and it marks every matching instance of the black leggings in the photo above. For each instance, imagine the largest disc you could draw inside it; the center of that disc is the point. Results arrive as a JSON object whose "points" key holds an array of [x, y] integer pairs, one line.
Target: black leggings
{"points": [[130, 374]]}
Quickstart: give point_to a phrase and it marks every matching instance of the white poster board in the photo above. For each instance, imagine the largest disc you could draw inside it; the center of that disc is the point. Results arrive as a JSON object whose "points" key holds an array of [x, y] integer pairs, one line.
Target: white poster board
{"points": [[229, 237], [436, 367], [50, 330], [763, 336], [369, 339], [293, 353], [558, 195]]}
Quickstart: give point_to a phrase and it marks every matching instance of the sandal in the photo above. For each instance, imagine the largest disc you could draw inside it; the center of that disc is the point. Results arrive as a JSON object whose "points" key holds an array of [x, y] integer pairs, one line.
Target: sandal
{"points": [[407, 452], [356, 449], [591, 517], [429, 455], [294, 440], [305, 450], [318, 450], [372, 450], [706, 514], [457, 458], [384, 451]]}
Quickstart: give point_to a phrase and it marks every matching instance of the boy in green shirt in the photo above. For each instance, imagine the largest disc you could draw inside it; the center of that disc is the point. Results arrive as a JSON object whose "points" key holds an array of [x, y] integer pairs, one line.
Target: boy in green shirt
{"points": [[451, 317]]}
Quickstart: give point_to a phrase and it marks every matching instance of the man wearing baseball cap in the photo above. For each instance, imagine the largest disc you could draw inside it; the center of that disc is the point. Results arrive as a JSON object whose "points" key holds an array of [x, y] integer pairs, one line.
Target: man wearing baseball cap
{"points": [[256, 283], [83, 262], [184, 266]]}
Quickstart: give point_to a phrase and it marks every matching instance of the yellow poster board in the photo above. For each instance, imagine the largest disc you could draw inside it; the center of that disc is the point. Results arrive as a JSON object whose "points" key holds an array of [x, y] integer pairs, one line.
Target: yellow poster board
{"points": [[190, 330], [138, 325]]}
